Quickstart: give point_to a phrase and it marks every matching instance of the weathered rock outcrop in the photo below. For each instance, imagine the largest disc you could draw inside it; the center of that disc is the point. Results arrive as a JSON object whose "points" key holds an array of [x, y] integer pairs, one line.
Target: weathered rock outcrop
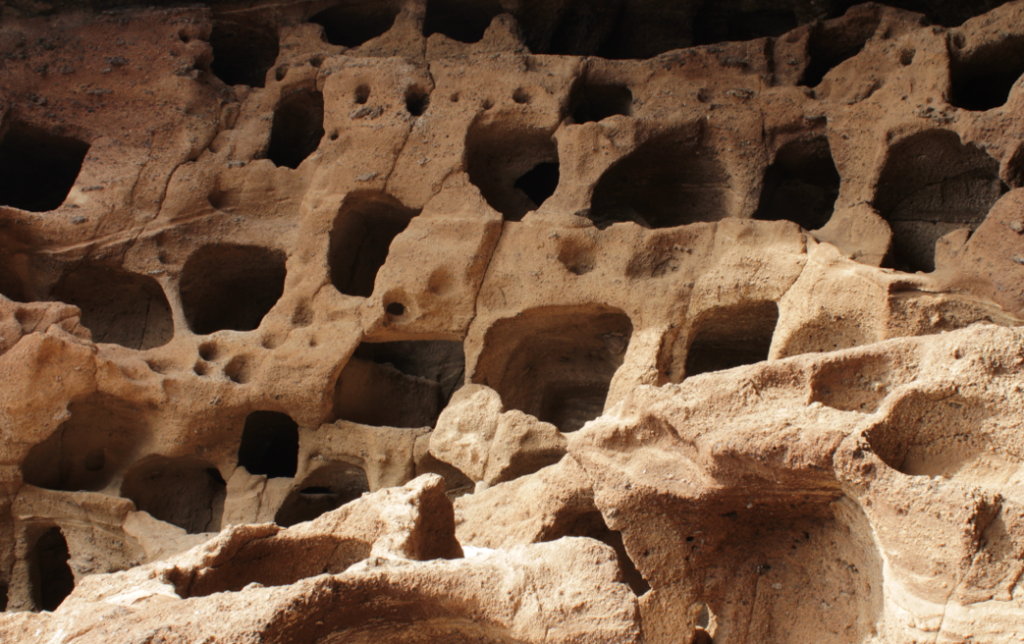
{"points": [[510, 321]]}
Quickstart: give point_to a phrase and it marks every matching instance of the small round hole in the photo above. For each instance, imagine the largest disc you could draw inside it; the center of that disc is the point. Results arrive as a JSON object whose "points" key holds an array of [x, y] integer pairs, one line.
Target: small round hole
{"points": [[208, 351], [334, 136], [201, 368], [521, 96], [281, 72], [487, 104], [907, 57], [316, 61], [396, 309], [454, 97], [362, 94], [416, 101]]}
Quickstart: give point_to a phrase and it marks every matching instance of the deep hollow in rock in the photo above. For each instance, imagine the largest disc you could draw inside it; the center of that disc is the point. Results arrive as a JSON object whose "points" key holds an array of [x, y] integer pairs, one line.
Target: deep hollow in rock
{"points": [[50, 575], [932, 184], [297, 129], [556, 363], [399, 384], [353, 22], [801, 185], [225, 286], [326, 488], [366, 224], [670, 180], [87, 451], [730, 20], [184, 491], [731, 336], [513, 167], [270, 444], [829, 45], [416, 101], [983, 81], [118, 307], [242, 53], [462, 20], [37, 168], [597, 101]]}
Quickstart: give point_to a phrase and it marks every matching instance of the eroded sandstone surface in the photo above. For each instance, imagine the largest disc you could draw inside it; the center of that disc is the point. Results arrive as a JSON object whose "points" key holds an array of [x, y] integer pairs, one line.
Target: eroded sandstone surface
{"points": [[509, 321]]}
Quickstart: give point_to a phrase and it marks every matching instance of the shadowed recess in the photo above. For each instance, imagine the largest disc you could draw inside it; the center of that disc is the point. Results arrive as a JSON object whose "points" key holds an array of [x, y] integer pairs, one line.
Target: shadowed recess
{"points": [[37, 168], [270, 444], [983, 80], [242, 53], [230, 287], [732, 20], [297, 129], [930, 185], [399, 384], [555, 363], [731, 336], [670, 180], [184, 491], [327, 488], [801, 185], [50, 575], [462, 20], [515, 168], [593, 525], [86, 451], [592, 101], [118, 307], [353, 22], [366, 224], [830, 44]]}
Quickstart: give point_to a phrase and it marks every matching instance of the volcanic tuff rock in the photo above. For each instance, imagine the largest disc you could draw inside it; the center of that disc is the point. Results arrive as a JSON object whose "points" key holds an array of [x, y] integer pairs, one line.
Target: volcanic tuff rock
{"points": [[512, 321]]}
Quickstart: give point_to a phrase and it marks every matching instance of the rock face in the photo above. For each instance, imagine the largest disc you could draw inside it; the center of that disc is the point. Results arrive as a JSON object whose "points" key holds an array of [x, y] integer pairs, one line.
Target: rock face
{"points": [[470, 321]]}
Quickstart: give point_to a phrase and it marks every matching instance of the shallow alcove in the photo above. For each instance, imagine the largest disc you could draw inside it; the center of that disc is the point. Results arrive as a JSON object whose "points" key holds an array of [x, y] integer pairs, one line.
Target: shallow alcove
{"points": [[242, 53], [270, 444], [353, 22], [731, 20], [118, 307], [670, 180], [366, 224], [556, 363], [37, 168], [399, 384], [184, 491], [592, 102], [462, 20], [50, 576], [297, 129], [731, 336], [801, 185], [930, 185], [224, 286], [505, 162], [86, 451], [983, 81], [326, 488]]}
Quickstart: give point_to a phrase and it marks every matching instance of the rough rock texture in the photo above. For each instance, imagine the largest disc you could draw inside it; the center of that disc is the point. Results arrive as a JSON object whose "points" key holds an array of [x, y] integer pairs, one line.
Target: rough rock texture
{"points": [[505, 321]]}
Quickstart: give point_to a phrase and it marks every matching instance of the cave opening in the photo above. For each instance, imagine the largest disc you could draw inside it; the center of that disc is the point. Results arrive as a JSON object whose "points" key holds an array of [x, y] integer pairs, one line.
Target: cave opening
{"points": [[327, 488], [399, 384], [354, 22], [37, 168], [983, 81], [270, 444], [829, 46], [556, 363], [51, 577], [363, 230], [297, 128], [670, 180], [242, 53], [516, 169], [118, 307], [732, 336], [224, 286], [183, 491], [930, 185], [801, 185], [463, 20], [591, 102]]}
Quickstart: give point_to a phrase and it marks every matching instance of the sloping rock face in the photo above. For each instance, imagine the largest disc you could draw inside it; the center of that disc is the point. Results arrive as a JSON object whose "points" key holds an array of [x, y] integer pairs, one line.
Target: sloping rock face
{"points": [[472, 321]]}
